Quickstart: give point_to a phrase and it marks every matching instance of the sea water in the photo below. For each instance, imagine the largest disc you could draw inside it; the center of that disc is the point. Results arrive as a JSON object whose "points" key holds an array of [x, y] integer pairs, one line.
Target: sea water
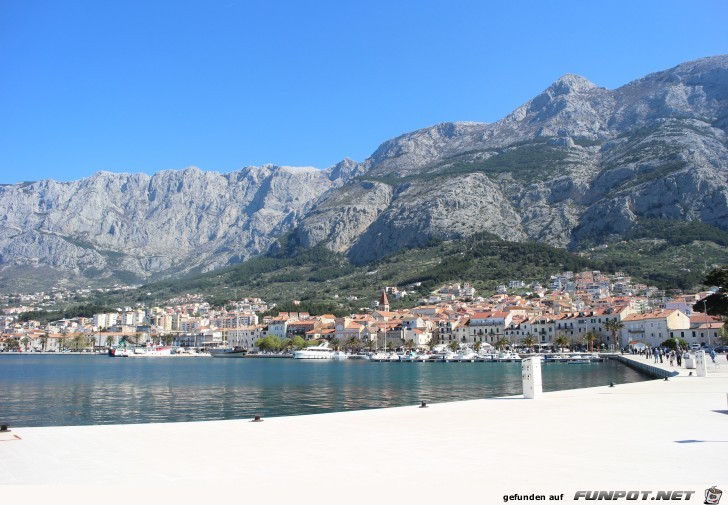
{"points": [[62, 390]]}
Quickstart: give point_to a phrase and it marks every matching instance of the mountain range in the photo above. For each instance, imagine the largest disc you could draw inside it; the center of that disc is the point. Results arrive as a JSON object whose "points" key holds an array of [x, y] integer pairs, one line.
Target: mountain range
{"points": [[575, 166]]}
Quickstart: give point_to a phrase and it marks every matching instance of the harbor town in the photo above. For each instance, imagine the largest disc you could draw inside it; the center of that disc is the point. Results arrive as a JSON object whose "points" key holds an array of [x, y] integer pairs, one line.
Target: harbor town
{"points": [[586, 310]]}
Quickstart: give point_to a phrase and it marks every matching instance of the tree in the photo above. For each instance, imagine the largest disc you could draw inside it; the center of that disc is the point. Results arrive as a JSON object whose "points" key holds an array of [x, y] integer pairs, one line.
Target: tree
{"points": [[78, 341], [454, 345], [335, 342], [529, 341], [723, 336], [410, 344], [477, 345], [561, 341], [718, 277], [25, 341], [716, 303], [589, 338], [286, 344], [673, 343], [269, 343], [297, 342], [353, 343], [501, 343], [43, 341], [614, 326]]}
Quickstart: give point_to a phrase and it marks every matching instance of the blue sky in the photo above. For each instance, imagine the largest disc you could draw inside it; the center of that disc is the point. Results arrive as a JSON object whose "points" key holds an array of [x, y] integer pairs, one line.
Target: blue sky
{"points": [[142, 86]]}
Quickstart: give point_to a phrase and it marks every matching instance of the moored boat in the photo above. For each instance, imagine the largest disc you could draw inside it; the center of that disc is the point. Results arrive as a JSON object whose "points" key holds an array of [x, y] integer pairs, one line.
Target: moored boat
{"points": [[321, 351], [339, 355], [235, 352]]}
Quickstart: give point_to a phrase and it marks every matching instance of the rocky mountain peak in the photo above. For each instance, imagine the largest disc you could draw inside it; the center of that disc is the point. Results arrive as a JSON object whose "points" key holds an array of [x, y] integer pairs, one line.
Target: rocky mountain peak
{"points": [[574, 163], [570, 84]]}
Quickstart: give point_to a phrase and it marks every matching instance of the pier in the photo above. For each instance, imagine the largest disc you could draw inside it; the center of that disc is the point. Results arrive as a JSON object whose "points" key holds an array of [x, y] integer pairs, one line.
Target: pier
{"points": [[653, 435]]}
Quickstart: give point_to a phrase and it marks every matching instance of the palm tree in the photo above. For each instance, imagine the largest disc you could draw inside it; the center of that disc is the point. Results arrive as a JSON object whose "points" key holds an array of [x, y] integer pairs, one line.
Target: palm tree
{"points": [[561, 341], [43, 341], [353, 343], [335, 342], [410, 344], [25, 341], [501, 343], [613, 326], [77, 341], [477, 345], [454, 345], [529, 341], [589, 338]]}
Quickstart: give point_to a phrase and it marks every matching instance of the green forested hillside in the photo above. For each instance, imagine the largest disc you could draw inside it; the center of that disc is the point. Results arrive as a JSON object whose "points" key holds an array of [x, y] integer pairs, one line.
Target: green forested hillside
{"points": [[326, 282]]}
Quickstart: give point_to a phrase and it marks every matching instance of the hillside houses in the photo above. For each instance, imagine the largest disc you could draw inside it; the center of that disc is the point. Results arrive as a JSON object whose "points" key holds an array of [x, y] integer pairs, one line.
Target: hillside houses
{"points": [[577, 304]]}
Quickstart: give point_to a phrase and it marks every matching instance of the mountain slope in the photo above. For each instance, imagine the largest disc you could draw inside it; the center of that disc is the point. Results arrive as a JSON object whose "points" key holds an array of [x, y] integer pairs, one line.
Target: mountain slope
{"points": [[576, 165]]}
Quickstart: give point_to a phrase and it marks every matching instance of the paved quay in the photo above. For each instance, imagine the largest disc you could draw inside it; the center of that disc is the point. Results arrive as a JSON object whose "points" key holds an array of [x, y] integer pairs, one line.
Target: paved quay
{"points": [[653, 435]]}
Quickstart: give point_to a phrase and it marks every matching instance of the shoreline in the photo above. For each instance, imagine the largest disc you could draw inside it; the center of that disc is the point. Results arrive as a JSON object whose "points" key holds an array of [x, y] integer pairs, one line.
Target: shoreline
{"points": [[664, 434]]}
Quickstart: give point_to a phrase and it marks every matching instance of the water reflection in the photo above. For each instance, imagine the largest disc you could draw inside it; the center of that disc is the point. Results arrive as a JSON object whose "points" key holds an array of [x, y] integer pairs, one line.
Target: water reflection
{"points": [[80, 390]]}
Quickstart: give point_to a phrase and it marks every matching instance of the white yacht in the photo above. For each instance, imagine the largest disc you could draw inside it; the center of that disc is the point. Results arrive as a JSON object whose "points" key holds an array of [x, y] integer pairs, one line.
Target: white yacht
{"points": [[321, 351], [466, 355]]}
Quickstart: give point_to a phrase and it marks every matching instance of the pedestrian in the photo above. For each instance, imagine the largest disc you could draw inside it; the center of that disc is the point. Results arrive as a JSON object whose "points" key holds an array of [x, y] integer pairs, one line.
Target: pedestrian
{"points": [[671, 356], [712, 355], [662, 355], [678, 356]]}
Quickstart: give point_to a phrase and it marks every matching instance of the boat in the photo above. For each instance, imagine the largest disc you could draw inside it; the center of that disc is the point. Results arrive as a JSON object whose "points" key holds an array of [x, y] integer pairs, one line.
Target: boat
{"points": [[409, 356], [321, 351], [466, 355], [360, 356], [578, 359], [508, 356], [234, 352], [122, 351], [449, 356], [339, 355]]}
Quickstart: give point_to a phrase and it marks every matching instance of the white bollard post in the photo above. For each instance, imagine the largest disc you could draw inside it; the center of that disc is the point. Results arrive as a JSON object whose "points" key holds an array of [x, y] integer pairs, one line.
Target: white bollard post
{"points": [[700, 363], [531, 375]]}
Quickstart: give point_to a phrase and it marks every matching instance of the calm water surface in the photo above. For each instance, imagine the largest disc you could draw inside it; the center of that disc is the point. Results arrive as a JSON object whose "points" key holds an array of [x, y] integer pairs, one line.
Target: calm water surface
{"points": [[47, 390]]}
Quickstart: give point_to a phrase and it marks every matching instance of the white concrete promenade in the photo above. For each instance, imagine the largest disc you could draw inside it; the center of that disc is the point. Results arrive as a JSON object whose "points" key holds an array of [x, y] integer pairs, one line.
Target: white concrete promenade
{"points": [[652, 435]]}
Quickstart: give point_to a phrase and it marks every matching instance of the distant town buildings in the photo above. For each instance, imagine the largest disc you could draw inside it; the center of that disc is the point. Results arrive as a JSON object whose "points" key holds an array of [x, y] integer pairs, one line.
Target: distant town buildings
{"points": [[610, 311]]}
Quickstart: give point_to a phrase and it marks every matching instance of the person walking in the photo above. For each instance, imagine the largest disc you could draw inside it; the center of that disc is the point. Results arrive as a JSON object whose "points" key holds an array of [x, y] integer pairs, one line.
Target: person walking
{"points": [[655, 354], [678, 356], [662, 354], [671, 356]]}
